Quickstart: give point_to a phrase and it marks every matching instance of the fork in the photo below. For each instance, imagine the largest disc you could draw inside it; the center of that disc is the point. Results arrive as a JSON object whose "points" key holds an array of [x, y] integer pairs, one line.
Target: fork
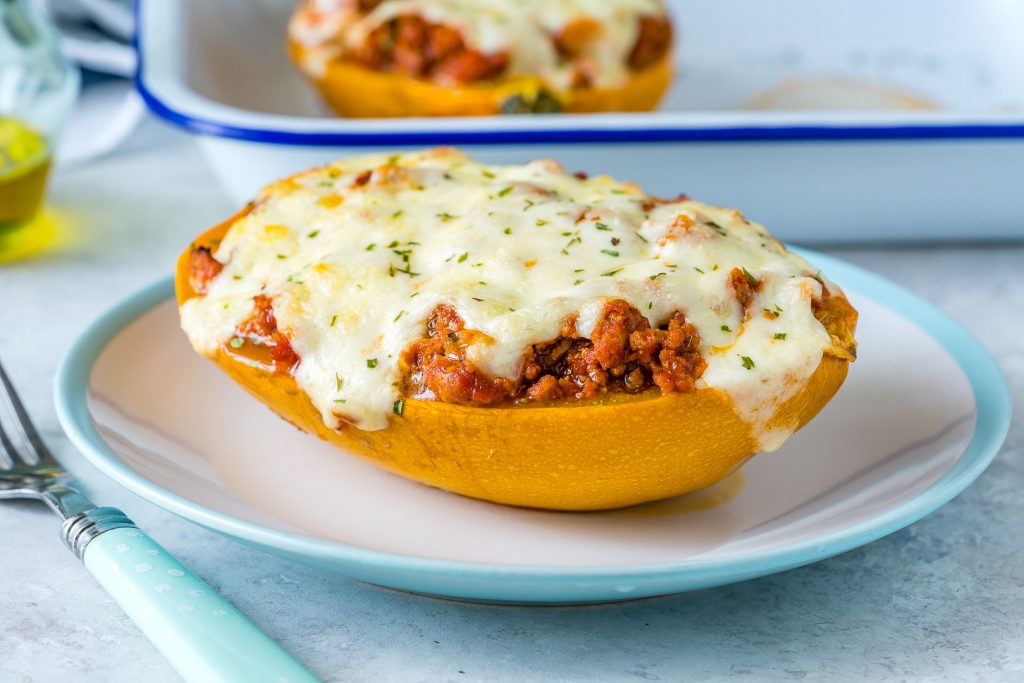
{"points": [[200, 633]]}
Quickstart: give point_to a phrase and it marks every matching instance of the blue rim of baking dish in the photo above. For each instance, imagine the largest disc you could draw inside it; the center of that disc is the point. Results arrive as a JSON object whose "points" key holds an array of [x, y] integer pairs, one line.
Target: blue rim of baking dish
{"points": [[217, 122], [541, 584]]}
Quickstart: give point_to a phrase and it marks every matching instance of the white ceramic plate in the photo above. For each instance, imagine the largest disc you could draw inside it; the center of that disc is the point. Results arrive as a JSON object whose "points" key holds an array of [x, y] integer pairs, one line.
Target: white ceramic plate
{"points": [[784, 108], [922, 414]]}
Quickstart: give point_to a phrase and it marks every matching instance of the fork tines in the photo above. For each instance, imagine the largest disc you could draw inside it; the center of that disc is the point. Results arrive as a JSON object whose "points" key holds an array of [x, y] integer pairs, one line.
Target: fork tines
{"points": [[20, 442]]}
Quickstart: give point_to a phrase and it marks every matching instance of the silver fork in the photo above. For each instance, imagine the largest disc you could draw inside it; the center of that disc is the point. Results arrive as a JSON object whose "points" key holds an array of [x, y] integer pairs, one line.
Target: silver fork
{"points": [[203, 637]]}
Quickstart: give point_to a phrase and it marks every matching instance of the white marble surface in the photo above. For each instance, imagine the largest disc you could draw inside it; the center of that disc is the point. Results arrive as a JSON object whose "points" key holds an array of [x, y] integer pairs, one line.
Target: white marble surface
{"points": [[942, 599]]}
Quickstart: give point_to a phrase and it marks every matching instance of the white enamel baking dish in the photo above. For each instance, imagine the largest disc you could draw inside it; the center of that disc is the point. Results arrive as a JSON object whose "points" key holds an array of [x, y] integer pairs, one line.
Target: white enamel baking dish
{"points": [[830, 170]]}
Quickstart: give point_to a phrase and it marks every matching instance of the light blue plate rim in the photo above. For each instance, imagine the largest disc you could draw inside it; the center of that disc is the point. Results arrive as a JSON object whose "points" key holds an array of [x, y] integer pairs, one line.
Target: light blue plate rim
{"points": [[546, 584]]}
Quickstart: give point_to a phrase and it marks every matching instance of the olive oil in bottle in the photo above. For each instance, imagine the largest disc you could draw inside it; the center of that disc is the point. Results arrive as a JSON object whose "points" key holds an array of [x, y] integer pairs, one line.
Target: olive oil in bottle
{"points": [[24, 165]]}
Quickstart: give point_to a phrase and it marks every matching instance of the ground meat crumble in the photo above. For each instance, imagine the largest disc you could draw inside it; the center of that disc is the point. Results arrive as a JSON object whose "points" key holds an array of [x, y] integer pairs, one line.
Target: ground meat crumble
{"points": [[624, 353]]}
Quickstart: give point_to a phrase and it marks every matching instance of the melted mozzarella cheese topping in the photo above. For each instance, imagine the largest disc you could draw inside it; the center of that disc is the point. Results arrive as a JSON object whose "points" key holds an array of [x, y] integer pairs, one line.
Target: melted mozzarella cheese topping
{"points": [[356, 262], [523, 29]]}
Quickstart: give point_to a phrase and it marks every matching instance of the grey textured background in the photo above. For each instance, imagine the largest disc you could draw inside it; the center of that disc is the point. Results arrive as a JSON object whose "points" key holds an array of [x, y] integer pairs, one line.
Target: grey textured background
{"points": [[942, 599]]}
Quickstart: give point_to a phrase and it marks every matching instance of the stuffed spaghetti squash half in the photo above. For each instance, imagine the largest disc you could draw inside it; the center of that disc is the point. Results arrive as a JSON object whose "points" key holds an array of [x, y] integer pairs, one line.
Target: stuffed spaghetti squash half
{"points": [[517, 334]]}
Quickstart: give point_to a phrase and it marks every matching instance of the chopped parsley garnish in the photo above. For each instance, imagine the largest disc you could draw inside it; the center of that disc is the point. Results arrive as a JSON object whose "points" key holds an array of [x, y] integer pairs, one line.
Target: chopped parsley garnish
{"points": [[371, 362], [236, 342], [578, 282], [339, 381], [781, 336], [334, 319], [488, 174], [464, 256], [639, 236], [613, 271], [601, 226], [399, 407], [725, 328], [505, 191], [717, 228], [445, 217], [750, 278], [508, 231], [481, 282], [393, 244], [777, 308], [400, 314], [370, 246], [281, 256], [314, 233], [610, 252], [340, 400], [698, 270], [398, 214], [656, 276], [236, 277], [747, 362], [541, 222]]}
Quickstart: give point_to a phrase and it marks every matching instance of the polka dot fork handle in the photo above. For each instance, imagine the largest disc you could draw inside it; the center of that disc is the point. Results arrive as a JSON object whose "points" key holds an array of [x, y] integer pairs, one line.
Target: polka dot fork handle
{"points": [[200, 634]]}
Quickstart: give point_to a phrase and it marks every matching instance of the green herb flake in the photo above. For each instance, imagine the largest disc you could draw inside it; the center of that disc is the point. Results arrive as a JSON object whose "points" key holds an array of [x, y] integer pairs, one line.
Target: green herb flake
{"points": [[541, 222], [370, 246], [508, 231], [236, 277], [334, 319], [505, 191], [236, 342], [656, 276], [578, 282], [610, 252], [726, 328], [750, 278], [281, 256], [393, 159], [747, 362], [371, 362], [397, 317], [399, 407], [313, 234], [464, 256], [698, 270], [639, 236], [398, 214], [601, 226], [339, 382], [340, 400], [777, 308], [393, 244], [613, 271], [781, 336], [488, 174], [445, 217]]}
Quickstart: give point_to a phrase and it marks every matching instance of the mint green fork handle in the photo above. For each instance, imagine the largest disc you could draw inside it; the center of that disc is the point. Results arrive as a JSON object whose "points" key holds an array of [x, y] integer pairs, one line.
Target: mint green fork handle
{"points": [[202, 636]]}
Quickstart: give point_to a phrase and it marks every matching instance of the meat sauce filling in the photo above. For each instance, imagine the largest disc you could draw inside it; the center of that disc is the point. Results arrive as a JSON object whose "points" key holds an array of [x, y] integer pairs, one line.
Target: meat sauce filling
{"points": [[259, 340], [624, 353], [412, 46]]}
